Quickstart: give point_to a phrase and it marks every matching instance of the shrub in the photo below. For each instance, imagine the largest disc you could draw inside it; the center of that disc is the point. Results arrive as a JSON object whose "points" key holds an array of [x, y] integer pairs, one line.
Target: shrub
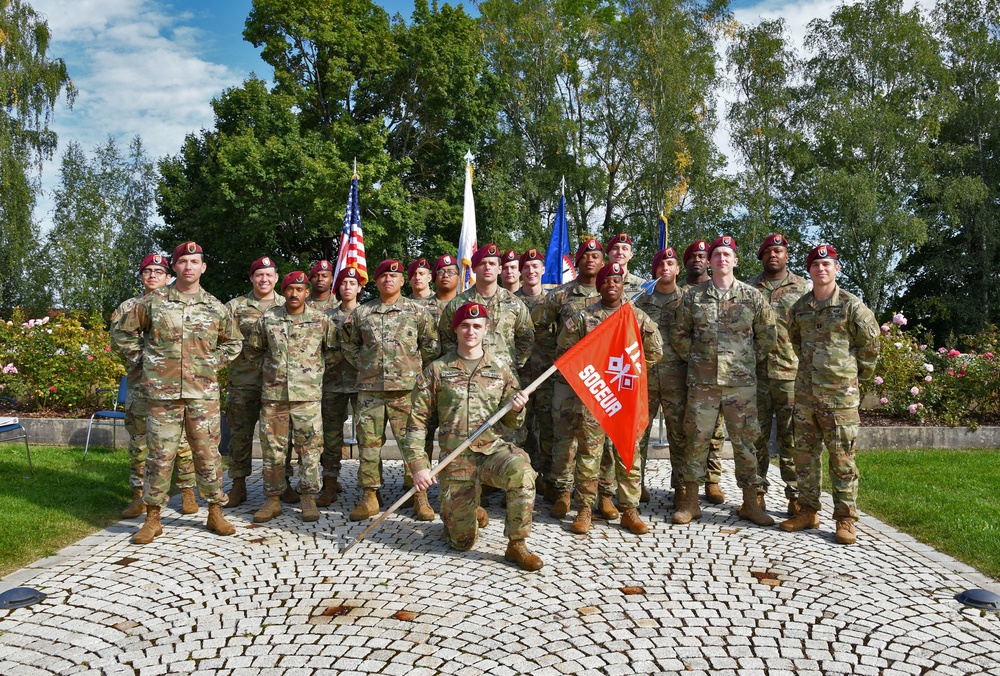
{"points": [[56, 362]]}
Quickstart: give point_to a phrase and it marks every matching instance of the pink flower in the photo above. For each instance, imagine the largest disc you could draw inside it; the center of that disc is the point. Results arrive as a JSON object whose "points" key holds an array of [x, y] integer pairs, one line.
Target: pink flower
{"points": [[885, 328], [107, 349], [914, 390], [883, 400], [912, 408], [953, 353], [942, 350], [10, 368], [927, 379], [920, 406], [52, 389], [898, 319], [90, 357], [951, 373], [879, 380], [989, 355], [923, 347]]}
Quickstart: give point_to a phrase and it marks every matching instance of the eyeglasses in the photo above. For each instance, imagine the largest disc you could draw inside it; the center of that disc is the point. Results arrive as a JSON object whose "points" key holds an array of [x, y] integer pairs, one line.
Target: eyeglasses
{"points": [[154, 272], [444, 272]]}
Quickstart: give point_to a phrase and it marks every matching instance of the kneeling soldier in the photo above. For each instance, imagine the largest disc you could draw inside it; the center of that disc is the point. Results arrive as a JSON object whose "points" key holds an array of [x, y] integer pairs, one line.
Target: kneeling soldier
{"points": [[466, 387], [294, 341]]}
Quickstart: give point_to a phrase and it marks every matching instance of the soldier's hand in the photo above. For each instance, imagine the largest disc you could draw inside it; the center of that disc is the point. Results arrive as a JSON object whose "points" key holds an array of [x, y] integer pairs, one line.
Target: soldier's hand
{"points": [[519, 400], [423, 480]]}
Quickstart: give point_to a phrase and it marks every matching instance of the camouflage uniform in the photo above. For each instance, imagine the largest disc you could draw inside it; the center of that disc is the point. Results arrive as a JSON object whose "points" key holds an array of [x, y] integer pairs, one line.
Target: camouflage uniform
{"points": [[388, 345], [464, 400], [243, 390], [723, 335], [776, 382], [293, 350], [589, 434], [135, 422], [837, 343], [322, 305], [340, 395], [536, 435], [182, 340], [511, 334]]}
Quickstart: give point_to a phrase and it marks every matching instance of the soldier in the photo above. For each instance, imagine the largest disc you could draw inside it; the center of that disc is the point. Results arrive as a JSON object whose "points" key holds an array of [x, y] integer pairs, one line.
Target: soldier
{"points": [[590, 436], [388, 340], [292, 342], [321, 296], [723, 329], [619, 250], [836, 338], [243, 391], [696, 269], [153, 275], [667, 381], [537, 430], [182, 335], [510, 271], [419, 274], [466, 387], [776, 375], [445, 284], [340, 390]]}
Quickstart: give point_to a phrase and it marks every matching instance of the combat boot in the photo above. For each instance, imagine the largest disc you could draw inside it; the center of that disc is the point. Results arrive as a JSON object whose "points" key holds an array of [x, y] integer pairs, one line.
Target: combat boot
{"points": [[551, 492], [151, 528], [368, 506], [290, 496], [581, 524], [846, 533], [793, 506], [518, 552], [188, 503], [762, 499], [422, 507], [217, 522], [137, 507], [238, 493], [606, 508], [482, 518], [632, 523], [331, 488], [806, 518], [561, 506], [270, 509], [751, 511], [714, 494], [309, 510], [644, 497], [688, 509]]}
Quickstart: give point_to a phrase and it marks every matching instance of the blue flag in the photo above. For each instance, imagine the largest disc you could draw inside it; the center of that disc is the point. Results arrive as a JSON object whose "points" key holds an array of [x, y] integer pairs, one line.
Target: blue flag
{"points": [[663, 232], [559, 267]]}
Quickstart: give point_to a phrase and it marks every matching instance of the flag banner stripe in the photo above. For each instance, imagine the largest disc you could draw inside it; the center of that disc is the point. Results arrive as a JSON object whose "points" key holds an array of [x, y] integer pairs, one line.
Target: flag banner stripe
{"points": [[352, 241], [559, 267]]}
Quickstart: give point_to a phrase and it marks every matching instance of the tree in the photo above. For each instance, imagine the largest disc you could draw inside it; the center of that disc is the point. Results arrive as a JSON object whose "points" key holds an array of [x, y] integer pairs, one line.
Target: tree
{"points": [[30, 84]]}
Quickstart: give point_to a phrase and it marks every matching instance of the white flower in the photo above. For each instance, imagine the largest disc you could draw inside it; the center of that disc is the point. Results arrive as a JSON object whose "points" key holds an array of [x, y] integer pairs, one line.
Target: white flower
{"points": [[84, 349], [929, 368], [898, 346]]}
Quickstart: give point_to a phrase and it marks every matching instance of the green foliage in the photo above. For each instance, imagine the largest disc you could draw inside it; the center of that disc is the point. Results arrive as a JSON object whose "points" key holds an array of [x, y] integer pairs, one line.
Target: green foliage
{"points": [[57, 362]]}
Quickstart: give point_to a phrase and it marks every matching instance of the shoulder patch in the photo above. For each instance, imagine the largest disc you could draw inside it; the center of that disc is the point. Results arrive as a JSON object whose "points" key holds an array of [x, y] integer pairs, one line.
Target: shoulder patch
{"points": [[570, 324]]}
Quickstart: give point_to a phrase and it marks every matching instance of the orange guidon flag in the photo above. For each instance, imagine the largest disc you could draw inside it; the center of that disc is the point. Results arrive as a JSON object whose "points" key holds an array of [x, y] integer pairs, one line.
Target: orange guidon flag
{"points": [[607, 370]]}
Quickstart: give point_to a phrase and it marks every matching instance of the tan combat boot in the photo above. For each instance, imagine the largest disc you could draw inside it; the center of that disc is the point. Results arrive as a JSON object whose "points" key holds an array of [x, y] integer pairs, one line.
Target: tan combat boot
{"points": [[422, 507], [632, 523], [805, 518], [482, 518], [238, 493], [793, 506], [714, 494], [688, 509], [846, 532], [150, 529], [561, 506], [188, 503], [606, 508], [331, 489], [270, 509], [217, 522], [309, 509], [518, 552], [581, 524], [751, 511], [551, 493], [368, 506], [137, 507], [290, 496], [761, 499]]}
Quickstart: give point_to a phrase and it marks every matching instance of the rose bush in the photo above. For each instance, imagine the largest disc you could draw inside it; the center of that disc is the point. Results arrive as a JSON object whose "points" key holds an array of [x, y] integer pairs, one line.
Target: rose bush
{"points": [[57, 363]]}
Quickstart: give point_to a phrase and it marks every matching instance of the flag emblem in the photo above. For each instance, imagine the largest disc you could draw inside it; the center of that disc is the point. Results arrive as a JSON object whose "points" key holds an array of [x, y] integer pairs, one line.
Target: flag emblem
{"points": [[619, 369]]}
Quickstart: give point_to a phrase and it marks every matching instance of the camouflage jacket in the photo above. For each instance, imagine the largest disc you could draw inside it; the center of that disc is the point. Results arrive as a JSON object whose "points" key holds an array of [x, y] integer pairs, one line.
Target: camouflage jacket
{"points": [[560, 304], [181, 341], [246, 310], [782, 363], [291, 352], [723, 335], [837, 343], [662, 309], [463, 402], [340, 375], [134, 373], [632, 285], [389, 344], [328, 303], [540, 359], [511, 334], [587, 319]]}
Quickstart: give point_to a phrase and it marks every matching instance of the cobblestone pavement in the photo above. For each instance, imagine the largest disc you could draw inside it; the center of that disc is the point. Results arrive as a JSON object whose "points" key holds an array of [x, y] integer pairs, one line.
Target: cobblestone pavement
{"points": [[716, 597]]}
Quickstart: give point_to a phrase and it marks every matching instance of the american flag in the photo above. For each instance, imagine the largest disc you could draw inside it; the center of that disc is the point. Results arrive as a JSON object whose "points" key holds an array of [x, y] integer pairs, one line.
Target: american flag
{"points": [[352, 241]]}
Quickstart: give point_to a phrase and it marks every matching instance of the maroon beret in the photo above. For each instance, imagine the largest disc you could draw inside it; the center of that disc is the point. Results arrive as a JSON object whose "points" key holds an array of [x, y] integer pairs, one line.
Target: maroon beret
{"points": [[186, 249], [321, 266], [662, 255], [154, 259], [772, 240], [346, 273], [607, 271], [694, 247], [470, 310], [620, 238], [390, 265], [416, 265], [264, 262], [296, 277], [590, 245], [531, 255], [820, 252], [508, 256], [487, 251], [727, 241], [444, 261]]}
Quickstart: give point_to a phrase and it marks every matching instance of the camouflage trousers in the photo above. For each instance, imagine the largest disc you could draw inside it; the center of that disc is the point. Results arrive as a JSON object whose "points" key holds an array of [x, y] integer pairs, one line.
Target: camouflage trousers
{"points": [[627, 483], [375, 409], [336, 407], [739, 408], [166, 422], [537, 435], [301, 422], [242, 413], [507, 468], [572, 436], [837, 429], [776, 398], [138, 450]]}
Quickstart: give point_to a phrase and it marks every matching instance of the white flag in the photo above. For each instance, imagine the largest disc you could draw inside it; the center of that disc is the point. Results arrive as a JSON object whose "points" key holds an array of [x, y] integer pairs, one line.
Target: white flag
{"points": [[467, 240]]}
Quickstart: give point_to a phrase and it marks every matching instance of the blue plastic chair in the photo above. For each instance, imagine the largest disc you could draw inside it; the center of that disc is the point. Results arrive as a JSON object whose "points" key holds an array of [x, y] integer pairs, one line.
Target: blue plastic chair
{"points": [[16, 427], [109, 417]]}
